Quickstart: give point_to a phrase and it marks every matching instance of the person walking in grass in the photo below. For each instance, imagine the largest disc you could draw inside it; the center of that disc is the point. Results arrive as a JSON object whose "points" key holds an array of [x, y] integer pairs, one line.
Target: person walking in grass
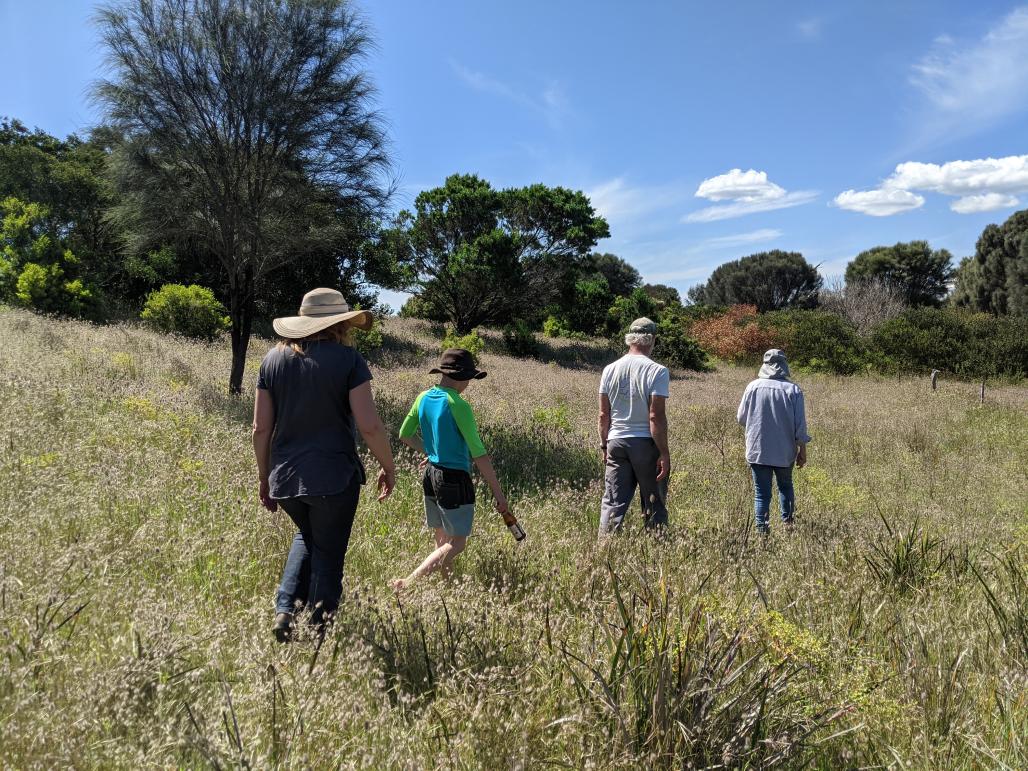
{"points": [[450, 442], [633, 432], [774, 415], [312, 388]]}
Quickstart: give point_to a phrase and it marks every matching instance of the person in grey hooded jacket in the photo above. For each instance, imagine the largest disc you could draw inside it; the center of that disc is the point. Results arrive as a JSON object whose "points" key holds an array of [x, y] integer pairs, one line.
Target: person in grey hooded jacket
{"points": [[774, 415]]}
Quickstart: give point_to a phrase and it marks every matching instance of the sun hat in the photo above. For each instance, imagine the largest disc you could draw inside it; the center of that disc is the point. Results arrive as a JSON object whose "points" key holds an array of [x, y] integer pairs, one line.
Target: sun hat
{"points": [[643, 326], [774, 367], [320, 309], [458, 364]]}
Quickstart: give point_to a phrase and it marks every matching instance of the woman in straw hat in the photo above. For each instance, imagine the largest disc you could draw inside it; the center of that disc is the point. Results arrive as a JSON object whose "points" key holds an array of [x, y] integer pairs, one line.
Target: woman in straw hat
{"points": [[312, 389]]}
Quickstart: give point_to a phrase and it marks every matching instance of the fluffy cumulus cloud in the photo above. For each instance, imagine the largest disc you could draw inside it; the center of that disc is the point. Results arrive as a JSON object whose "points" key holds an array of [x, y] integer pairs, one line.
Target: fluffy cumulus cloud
{"points": [[986, 184], [973, 204], [986, 175], [878, 203], [746, 192]]}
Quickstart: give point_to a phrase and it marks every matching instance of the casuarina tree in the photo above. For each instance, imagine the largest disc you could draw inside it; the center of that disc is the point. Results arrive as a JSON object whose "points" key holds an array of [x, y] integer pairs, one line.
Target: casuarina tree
{"points": [[769, 280], [478, 255], [995, 280], [919, 273], [248, 134]]}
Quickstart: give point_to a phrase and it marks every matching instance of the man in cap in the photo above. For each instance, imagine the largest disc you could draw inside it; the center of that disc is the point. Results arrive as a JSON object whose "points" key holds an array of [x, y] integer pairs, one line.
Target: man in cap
{"points": [[450, 441], [633, 432]]}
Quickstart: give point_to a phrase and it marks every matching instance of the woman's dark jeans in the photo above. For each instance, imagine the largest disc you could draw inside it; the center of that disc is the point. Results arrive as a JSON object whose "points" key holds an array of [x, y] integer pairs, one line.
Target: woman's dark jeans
{"points": [[762, 493], [313, 574]]}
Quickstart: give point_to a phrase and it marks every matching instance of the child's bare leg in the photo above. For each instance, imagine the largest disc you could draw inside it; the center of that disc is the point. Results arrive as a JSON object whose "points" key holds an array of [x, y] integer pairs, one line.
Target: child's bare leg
{"points": [[457, 544], [431, 562]]}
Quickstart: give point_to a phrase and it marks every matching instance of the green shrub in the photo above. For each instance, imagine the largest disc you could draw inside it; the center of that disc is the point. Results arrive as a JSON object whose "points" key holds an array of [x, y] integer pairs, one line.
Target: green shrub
{"points": [[519, 339], [675, 347], [469, 342], [45, 289], [625, 310], [368, 341], [555, 326], [192, 311], [816, 340], [953, 341]]}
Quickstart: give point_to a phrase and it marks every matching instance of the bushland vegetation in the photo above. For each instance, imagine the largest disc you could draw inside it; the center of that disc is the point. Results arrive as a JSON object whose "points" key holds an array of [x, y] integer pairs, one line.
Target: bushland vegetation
{"points": [[137, 571]]}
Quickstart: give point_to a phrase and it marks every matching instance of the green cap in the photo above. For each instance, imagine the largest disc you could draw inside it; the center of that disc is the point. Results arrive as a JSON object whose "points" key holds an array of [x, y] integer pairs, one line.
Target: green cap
{"points": [[643, 326]]}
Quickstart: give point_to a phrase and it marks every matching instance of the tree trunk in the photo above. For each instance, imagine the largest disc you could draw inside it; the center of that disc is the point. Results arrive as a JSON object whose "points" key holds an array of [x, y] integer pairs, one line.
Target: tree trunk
{"points": [[241, 309]]}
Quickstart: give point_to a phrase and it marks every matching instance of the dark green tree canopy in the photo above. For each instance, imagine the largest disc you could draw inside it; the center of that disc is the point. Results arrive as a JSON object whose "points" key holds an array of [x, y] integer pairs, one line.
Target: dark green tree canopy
{"points": [[662, 293], [248, 135], [478, 255], [921, 274], [769, 280], [620, 276], [995, 280]]}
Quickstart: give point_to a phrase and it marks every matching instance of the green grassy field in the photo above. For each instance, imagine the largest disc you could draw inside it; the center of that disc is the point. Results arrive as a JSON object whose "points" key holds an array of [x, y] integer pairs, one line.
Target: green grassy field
{"points": [[137, 573]]}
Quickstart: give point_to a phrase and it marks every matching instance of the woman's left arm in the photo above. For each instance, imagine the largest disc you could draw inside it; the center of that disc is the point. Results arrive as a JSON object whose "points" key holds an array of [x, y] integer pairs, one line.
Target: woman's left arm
{"points": [[263, 427]]}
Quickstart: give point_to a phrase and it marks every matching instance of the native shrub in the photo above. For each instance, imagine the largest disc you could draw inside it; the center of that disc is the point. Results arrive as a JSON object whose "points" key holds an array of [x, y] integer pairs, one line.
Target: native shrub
{"points": [[555, 326], [817, 340], [192, 311], [367, 341], [470, 342], [47, 290], [960, 343], [676, 347], [519, 339], [735, 335]]}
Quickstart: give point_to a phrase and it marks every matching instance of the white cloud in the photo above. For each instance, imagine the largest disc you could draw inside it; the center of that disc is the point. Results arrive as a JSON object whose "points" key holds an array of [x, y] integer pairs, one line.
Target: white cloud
{"points": [[985, 175], [975, 204], [739, 185], [985, 184], [741, 239], [748, 191], [974, 86], [878, 203], [551, 102]]}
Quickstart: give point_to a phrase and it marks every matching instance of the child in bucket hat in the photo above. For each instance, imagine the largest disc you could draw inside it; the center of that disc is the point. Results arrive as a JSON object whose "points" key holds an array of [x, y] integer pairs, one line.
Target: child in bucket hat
{"points": [[450, 441]]}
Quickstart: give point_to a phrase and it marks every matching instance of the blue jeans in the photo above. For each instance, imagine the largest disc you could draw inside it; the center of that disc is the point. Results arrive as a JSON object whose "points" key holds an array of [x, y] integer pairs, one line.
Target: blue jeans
{"points": [[313, 574], [762, 493]]}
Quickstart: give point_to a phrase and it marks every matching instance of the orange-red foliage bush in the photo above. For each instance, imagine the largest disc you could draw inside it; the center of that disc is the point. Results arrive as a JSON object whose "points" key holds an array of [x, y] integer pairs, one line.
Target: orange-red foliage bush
{"points": [[735, 335]]}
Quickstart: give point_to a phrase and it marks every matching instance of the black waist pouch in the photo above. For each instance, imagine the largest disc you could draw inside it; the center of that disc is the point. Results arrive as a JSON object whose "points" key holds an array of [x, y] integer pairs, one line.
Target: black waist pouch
{"points": [[452, 488]]}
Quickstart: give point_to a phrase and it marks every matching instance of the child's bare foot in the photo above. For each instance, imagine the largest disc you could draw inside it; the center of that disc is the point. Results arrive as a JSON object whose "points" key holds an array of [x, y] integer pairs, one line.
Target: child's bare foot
{"points": [[398, 584]]}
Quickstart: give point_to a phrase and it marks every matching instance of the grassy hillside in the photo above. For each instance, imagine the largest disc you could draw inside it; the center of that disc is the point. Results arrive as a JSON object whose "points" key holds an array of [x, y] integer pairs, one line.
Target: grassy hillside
{"points": [[137, 574]]}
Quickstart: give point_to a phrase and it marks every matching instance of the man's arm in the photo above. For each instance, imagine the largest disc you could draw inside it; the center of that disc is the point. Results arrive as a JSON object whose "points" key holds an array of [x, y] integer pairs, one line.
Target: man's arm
{"points": [[658, 430], [603, 426], [263, 427]]}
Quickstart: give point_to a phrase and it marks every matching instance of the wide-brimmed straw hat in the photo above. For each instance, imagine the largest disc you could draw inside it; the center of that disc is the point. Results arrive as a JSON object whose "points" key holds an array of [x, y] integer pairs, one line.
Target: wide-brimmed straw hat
{"points": [[320, 309], [458, 364]]}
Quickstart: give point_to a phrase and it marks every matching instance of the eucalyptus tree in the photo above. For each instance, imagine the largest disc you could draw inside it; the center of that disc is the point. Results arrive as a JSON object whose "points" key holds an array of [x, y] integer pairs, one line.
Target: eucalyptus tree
{"points": [[248, 133]]}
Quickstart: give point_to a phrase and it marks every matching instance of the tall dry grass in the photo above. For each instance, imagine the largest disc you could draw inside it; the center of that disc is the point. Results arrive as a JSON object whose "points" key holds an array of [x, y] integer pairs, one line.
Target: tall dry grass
{"points": [[137, 572]]}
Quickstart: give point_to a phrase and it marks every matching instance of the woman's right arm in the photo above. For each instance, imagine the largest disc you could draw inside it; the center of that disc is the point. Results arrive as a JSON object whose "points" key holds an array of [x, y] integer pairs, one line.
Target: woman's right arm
{"points": [[362, 405]]}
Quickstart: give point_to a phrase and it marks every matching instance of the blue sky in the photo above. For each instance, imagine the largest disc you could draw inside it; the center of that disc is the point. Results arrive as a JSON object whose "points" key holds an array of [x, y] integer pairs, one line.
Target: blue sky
{"points": [[703, 131]]}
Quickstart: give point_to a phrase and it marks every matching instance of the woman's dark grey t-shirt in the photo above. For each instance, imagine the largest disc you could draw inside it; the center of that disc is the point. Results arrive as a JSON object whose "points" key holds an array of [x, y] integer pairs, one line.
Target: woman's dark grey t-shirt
{"points": [[314, 446]]}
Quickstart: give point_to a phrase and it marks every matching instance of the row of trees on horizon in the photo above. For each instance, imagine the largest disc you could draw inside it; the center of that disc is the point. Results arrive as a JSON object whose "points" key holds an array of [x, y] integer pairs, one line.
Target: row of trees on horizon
{"points": [[240, 149]]}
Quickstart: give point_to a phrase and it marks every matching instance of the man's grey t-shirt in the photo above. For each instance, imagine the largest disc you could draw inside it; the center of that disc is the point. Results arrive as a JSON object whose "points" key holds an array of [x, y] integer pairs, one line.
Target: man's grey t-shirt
{"points": [[314, 446], [629, 383]]}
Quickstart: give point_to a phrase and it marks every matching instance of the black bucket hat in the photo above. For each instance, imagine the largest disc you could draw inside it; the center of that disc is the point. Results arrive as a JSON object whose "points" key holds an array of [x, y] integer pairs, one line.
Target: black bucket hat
{"points": [[458, 364]]}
